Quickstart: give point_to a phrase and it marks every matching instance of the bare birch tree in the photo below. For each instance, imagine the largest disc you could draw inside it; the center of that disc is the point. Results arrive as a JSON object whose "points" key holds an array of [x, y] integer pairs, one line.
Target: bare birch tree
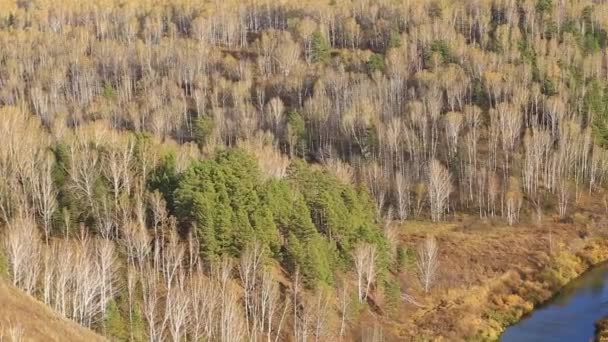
{"points": [[428, 263], [45, 194], [22, 243], [365, 266], [440, 187], [249, 266], [402, 194], [563, 198], [513, 201]]}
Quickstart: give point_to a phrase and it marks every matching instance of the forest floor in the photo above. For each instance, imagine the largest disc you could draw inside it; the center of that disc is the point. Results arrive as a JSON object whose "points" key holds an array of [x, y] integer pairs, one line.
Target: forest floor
{"points": [[490, 274], [23, 318]]}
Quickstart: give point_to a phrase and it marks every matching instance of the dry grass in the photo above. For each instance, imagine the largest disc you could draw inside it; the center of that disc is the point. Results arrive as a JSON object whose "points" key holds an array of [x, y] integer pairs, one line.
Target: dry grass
{"points": [[601, 330], [23, 318], [491, 274]]}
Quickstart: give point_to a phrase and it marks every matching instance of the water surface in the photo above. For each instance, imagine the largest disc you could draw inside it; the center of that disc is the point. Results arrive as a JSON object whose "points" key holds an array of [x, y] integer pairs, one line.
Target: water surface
{"points": [[569, 316]]}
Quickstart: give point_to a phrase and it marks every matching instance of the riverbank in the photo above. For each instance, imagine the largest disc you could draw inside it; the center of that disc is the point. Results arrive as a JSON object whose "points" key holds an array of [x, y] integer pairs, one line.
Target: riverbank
{"points": [[565, 268], [491, 274], [601, 330]]}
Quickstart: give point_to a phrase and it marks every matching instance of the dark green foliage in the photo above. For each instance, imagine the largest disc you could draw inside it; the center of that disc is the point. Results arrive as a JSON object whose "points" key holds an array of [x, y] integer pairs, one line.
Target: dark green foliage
{"points": [[594, 38], [550, 29], [394, 40], [221, 196], [480, 96], [296, 129], [310, 222], [289, 210], [3, 265], [403, 259], [343, 214], [142, 146], [575, 79], [375, 63], [138, 328], [594, 41], [440, 47], [528, 55], [320, 48], [570, 26], [312, 259], [115, 324], [203, 127], [549, 87], [59, 172], [232, 207], [543, 6], [109, 92], [306, 250], [596, 106], [392, 290], [70, 201], [164, 178], [10, 20]]}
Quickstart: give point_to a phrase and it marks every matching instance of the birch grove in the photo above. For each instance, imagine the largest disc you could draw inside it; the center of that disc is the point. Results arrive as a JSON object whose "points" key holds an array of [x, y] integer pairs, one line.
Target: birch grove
{"points": [[207, 170]]}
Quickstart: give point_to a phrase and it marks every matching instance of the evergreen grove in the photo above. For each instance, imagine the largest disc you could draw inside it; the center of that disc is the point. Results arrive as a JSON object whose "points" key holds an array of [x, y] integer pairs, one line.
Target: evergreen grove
{"points": [[310, 221]]}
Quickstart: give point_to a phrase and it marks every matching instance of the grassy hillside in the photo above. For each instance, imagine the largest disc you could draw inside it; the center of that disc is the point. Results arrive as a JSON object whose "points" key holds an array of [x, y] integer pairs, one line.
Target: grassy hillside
{"points": [[24, 318]]}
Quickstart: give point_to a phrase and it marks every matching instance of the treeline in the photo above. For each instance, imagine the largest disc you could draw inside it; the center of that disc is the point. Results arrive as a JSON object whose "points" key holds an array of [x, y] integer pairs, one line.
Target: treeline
{"points": [[153, 143]]}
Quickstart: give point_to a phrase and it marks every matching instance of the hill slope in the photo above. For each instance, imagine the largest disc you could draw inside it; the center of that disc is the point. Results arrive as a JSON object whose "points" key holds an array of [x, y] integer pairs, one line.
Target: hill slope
{"points": [[36, 321]]}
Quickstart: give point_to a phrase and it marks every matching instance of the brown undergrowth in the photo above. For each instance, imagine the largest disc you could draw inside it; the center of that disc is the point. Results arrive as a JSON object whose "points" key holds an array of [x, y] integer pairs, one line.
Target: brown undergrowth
{"points": [[491, 275]]}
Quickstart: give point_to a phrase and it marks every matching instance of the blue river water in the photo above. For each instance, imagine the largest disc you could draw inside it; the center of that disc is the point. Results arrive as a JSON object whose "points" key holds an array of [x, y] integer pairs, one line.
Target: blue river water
{"points": [[569, 316]]}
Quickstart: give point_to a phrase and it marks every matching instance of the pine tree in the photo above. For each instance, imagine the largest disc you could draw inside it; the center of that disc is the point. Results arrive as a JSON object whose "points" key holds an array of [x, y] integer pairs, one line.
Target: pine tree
{"points": [[320, 48], [115, 323]]}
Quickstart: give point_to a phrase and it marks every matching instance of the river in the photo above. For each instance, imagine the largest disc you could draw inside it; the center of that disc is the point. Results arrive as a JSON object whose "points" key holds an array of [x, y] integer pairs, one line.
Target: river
{"points": [[570, 315]]}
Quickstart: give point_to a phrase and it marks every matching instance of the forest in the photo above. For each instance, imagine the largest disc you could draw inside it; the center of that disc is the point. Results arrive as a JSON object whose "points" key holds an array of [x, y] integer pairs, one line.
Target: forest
{"points": [[242, 170]]}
